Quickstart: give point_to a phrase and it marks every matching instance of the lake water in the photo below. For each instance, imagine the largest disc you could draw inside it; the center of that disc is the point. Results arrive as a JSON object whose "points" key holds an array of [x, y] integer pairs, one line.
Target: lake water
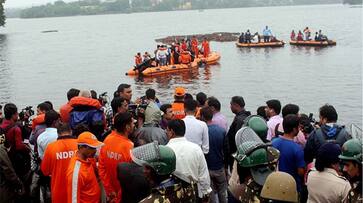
{"points": [[94, 52]]}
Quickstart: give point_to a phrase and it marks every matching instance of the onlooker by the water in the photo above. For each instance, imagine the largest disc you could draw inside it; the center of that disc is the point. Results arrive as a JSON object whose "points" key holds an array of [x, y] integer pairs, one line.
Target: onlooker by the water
{"points": [[324, 182], [66, 109], [218, 118], [190, 162], [291, 158], [167, 115], [329, 131], [217, 157], [196, 130], [238, 108], [273, 109]]}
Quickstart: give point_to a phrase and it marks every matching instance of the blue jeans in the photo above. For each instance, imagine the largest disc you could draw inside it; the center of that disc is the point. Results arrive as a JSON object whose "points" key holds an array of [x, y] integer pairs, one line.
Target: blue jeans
{"points": [[219, 186]]}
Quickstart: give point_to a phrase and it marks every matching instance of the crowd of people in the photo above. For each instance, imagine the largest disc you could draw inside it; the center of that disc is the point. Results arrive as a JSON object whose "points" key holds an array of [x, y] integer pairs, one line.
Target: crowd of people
{"points": [[247, 37], [182, 151], [183, 52], [306, 35]]}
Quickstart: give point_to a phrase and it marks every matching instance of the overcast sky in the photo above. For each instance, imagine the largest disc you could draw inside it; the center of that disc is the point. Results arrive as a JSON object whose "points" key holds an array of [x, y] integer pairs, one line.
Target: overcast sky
{"points": [[27, 3]]}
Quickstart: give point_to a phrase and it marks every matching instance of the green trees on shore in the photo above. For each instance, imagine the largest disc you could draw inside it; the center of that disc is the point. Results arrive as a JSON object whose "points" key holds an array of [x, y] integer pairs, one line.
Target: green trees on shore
{"points": [[2, 15], [93, 7]]}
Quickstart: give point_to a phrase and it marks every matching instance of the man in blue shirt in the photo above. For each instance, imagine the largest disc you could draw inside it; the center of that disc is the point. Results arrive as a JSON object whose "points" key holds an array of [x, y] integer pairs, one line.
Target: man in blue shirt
{"points": [[291, 154], [266, 34], [217, 157]]}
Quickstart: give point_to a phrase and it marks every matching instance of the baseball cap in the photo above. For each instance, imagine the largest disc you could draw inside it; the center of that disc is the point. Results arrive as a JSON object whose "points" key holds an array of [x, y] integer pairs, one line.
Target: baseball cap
{"points": [[89, 139], [179, 91]]}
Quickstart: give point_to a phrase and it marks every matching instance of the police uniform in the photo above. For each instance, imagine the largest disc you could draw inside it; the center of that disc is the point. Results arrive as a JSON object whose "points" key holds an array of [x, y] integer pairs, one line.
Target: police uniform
{"points": [[327, 186], [355, 195], [173, 191]]}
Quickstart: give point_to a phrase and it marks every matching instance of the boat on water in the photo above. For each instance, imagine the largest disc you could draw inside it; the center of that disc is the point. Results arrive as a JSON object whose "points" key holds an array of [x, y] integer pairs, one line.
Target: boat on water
{"points": [[261, 44], [213, 58], [314, 43]]}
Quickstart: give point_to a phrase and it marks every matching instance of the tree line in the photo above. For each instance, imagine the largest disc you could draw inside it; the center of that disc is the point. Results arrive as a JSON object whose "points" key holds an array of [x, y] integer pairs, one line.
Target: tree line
{"points": [[93, 7]]}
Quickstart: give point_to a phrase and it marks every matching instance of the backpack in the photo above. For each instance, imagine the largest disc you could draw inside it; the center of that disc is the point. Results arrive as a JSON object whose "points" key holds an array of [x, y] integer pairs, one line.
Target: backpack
{"points": [[94, 119]]}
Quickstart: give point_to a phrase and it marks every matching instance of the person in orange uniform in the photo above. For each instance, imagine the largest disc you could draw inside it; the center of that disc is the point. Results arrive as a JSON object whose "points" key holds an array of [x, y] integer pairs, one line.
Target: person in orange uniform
{"points": [[206, 48], [178, 105], [82, 177], [56, 161], [66, 109], [116, 150], [183, 46], [138, 59], [195, 48], [185, 57], [42, 108]]}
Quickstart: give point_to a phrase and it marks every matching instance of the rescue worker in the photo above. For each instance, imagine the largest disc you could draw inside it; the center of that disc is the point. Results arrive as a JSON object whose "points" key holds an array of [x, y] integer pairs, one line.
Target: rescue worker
{"points": [[162, 55], [66, 109], [241, 38], [352, 160], [206, 48], [183, 46], [56, 161], [254, 162], [178, 104], [138, 59], [185, 57], [159, 163], [82, 177], [116, 150], [195, 48], [280, 186], [292, 36]]}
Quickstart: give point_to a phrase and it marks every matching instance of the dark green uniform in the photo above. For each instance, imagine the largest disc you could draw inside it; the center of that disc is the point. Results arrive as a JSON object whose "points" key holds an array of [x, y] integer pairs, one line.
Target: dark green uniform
{"points": [[179, 192]]}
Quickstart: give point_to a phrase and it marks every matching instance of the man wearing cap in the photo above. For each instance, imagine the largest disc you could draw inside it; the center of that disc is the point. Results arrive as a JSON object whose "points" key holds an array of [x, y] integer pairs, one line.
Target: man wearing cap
{"points": [[254, 162], [324, 183], [159, 163], [178, 104], [352, 160], [116, 150], [55, 163], [82, 178]]}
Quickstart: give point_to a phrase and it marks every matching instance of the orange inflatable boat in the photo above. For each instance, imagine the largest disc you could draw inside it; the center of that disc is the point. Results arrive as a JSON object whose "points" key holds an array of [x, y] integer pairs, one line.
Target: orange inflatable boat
{"points": [[261, 44], [314, 43], [213, 58]]}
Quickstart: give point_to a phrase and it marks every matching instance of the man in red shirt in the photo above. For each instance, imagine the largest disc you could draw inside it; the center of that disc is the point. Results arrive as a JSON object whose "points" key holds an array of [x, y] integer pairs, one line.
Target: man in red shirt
{"points": [[56, 161], [66, 109], [82, 177], [116, 150]]}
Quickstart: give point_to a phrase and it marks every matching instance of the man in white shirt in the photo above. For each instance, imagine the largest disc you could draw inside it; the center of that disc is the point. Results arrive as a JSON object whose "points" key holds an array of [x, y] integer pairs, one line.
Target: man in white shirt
{"points": [[196, 130], [190, 162], [50, 134]]}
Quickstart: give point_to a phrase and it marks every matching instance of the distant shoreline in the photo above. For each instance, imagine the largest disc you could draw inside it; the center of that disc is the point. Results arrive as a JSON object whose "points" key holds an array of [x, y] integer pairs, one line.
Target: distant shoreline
{"points": [[19, 13]]}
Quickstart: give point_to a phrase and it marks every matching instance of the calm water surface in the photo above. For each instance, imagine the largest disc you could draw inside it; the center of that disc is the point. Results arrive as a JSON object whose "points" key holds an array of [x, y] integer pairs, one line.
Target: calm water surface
{"points": [[94, 52]]}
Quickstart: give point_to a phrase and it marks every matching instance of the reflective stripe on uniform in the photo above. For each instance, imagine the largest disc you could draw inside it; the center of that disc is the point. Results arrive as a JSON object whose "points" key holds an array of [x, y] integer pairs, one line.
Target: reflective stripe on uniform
{"points": [[77, 166]]}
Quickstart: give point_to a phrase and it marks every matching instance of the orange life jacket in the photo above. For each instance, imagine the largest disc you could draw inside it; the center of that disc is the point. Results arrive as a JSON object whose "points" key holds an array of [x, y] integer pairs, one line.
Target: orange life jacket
{"points": [[138, 60], [178, 110], [185, 58], [83, 101], [38, 120]]}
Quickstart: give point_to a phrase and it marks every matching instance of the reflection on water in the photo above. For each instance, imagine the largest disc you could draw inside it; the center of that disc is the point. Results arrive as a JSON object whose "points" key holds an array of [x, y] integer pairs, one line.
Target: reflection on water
{"points": [[5, 73]]}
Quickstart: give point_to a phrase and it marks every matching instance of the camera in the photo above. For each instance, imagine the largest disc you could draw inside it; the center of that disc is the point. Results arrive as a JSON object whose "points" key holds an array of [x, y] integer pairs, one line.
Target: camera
{"points": [[25, 114], [138, 110]]}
